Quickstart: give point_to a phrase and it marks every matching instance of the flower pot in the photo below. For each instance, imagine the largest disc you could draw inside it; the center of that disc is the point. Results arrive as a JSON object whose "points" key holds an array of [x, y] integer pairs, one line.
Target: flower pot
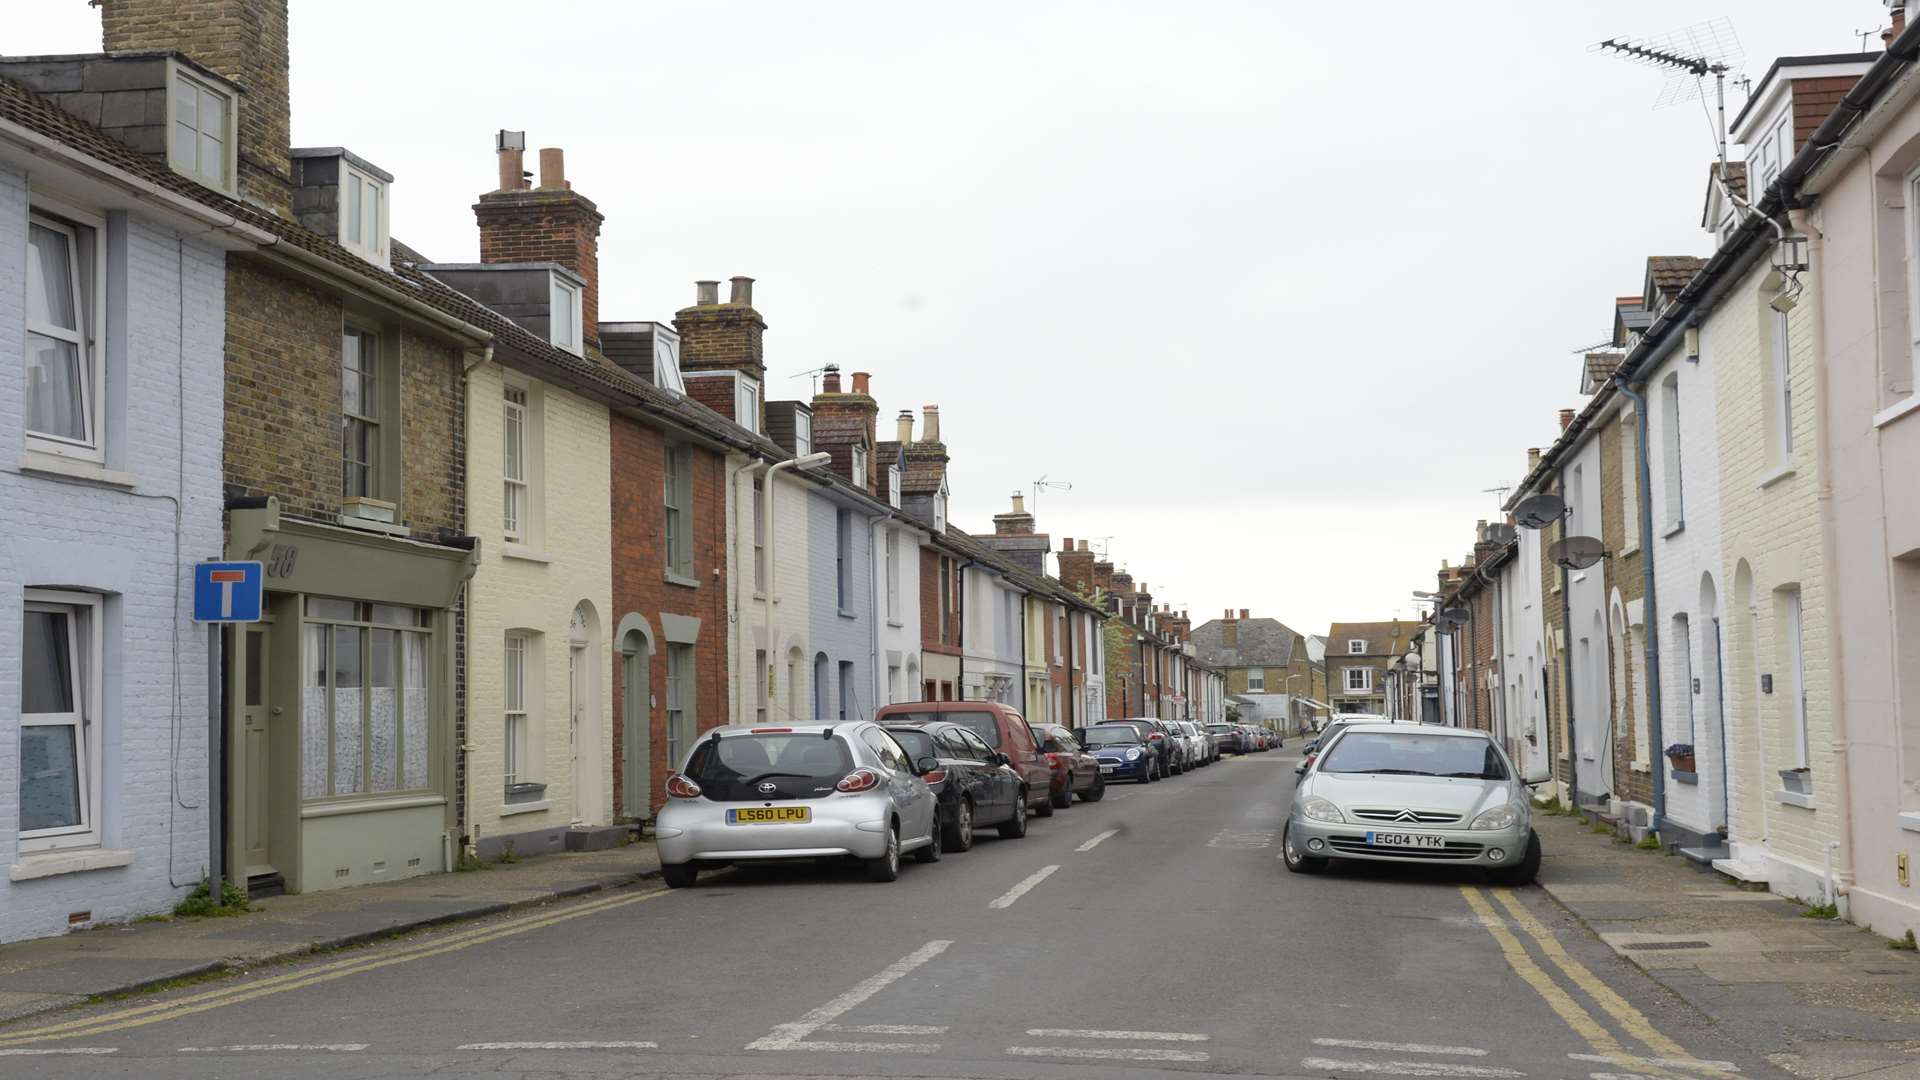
{"points": [[1681, 762]]}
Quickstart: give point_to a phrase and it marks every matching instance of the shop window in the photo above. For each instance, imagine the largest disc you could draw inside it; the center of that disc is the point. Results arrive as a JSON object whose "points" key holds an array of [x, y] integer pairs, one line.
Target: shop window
{"points": [[365, 709]]}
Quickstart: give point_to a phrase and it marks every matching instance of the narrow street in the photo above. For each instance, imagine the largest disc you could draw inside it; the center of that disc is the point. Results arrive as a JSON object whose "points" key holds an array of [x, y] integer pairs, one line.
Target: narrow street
{"points": [[1153, 933]]}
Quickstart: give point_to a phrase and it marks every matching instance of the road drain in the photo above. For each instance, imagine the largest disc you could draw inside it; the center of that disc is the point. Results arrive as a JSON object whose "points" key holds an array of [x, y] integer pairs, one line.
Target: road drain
{"points": [[1669, 945]]}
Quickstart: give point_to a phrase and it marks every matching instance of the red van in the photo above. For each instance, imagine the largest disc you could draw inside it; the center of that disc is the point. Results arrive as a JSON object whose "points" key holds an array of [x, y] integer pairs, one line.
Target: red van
{"points": [[1003, 729]]}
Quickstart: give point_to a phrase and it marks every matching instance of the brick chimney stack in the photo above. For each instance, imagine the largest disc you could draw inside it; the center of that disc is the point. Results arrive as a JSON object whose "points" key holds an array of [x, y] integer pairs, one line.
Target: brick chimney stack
{"points": [[842, 419], [1566, 419], [550, 223], [1076, 566], [241, 40], [1899, 26], [1014, 536], [1014, 522], [717, 337]]}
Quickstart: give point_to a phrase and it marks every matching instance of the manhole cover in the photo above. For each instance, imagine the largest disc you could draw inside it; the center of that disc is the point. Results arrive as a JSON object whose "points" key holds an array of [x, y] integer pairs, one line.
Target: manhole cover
{"points": [[1669, 945]]}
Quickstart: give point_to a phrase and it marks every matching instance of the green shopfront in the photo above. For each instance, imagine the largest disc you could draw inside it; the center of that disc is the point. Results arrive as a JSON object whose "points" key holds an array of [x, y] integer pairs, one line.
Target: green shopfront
{"points": [[340, 749]]}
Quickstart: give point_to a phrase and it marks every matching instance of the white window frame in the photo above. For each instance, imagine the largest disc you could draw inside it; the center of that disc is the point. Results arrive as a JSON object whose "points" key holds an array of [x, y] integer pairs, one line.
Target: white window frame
{"points": [[1781, 404], [843, 560], [678, 501], [666, 360], [1795, 635], [230, 150], [372, 412], [760, 538], [90, 300], [86, 630], [746, 404], [1356, 647], [517, 724], [682, 720], [893, 486], [1256, 680], [1675, 489], [860, 466], [516, 494], [1630, 478], [564, 294], [370, 239], [802, 433], [893, 575], [1366, 680], [1911, 192]]}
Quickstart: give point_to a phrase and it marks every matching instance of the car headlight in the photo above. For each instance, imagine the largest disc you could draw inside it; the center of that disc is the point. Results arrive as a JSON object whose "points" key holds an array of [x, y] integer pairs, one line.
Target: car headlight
{"points": [[1319, 809], [1133, 754], [1500, 817]]}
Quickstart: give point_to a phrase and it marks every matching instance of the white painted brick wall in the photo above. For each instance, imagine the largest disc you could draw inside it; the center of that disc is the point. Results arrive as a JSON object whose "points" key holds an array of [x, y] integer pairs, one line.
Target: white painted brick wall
{"points": [[1776, 532], [572, 536], [844, 638], [900, 634], [789, 536], [120, 543]]}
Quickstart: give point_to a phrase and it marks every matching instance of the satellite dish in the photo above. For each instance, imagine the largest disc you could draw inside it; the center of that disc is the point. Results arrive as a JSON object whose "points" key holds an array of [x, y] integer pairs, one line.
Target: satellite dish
{"points": [[1450, 617], [1540, 511], [1577, 552], [1501, 533]]}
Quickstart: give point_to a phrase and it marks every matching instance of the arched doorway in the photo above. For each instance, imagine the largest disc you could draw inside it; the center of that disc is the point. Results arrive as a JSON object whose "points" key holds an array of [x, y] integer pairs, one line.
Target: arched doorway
{"points": [[636, 718]]}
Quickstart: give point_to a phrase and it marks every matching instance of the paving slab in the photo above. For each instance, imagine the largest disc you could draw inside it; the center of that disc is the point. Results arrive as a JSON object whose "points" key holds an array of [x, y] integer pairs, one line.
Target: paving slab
{"points": [[52, 973]]}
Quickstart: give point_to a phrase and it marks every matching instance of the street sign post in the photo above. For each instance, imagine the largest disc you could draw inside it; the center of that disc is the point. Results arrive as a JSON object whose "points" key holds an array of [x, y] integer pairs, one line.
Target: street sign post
{"points": [[223, 592]]}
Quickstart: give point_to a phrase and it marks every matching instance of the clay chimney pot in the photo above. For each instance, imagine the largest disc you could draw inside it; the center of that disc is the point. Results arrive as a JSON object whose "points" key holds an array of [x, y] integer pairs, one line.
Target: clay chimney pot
{"points": [[930, 424], [553, 168], [1566, 419], [831, 384], [903, 427], [861, 380], [740, 291], [706, 293]]}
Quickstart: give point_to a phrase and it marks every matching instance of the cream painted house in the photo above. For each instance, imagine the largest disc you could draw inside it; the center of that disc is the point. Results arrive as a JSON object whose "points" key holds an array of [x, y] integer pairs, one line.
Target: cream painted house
{"points": [[770, 553]]}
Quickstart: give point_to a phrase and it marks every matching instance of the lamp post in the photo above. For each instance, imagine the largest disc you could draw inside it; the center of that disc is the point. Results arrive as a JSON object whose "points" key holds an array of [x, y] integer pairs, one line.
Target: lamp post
{"points": [[799, 464]]}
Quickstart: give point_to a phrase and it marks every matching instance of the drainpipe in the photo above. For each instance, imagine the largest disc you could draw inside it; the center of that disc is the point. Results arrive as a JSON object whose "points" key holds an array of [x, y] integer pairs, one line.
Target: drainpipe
{"points": [[1840, 851], [1566, 688], [960, 610], [1025, 710], [748, 472], [811, 461], [1072, 713], [1652, 646]]}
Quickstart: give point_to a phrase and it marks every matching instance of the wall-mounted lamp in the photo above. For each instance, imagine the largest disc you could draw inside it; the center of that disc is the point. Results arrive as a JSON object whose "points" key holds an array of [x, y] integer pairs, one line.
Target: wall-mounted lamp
{"points": [[1790, 254]]}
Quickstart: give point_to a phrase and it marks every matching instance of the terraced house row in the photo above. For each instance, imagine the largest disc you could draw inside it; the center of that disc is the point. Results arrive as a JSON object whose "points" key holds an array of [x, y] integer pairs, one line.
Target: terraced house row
{"points": [[1702, 618], [518, 551]]}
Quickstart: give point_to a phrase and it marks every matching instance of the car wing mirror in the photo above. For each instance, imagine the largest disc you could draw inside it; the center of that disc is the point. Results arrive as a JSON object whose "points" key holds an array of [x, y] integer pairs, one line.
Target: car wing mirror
{"points": [[1002, 759], [1536, 782], [926, 765]]}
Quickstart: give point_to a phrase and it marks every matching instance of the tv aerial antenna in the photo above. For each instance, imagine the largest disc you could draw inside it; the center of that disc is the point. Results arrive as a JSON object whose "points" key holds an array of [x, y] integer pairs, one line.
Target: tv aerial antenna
{"points": [[814, 374], [1688, 56], [1044, 484]]}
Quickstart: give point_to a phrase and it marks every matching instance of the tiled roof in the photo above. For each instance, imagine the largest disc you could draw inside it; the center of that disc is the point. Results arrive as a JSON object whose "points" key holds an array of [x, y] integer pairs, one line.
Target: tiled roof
{"points": [[1736, 176], [957, 540], [926, 467], [1382, 638], [1257, 642], [1599, 368], [1670, 273], [21, 106]]}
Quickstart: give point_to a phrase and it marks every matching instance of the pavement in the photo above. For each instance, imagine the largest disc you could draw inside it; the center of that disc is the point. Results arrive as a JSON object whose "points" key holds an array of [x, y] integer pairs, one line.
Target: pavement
{"points": [[109, 961], [1819, 998], [1155, 933]]}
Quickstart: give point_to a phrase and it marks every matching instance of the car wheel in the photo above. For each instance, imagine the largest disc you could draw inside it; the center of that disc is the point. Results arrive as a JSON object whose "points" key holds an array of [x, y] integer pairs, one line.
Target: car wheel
{"points": [[1045, 808], [1065, 797], [1015, 827], [1298, 861], [932, 852], [1098, 789], [887, 866], [1524, 871], [960, 833], [678, 875]]}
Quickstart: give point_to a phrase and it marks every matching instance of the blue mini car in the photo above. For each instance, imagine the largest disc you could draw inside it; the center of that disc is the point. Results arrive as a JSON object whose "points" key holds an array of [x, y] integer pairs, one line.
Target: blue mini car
{"points": [[1121, 752]]}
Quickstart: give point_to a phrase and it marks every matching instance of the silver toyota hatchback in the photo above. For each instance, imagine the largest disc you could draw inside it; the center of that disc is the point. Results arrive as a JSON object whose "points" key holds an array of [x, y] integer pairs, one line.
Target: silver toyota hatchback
{"points": [[804, 791], [1412, 793]]}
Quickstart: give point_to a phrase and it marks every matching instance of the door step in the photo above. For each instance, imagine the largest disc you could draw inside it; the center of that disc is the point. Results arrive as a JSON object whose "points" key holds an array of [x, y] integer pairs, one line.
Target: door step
{"points": [[596, 837], [260, 886]]}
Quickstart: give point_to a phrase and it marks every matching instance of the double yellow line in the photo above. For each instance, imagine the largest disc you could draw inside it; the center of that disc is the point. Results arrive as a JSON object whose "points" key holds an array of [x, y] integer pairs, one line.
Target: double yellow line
{"points": [[1664, 1053], [173, 1008]]}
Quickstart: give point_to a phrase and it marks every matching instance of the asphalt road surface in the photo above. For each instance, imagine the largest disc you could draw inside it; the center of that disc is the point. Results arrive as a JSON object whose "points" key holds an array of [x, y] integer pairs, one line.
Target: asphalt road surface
{"points": [[1153, 934]]}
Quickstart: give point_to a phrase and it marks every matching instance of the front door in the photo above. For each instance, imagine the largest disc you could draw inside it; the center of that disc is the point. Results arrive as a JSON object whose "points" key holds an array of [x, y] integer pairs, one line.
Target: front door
{"points": [[250, 756], [576, 704]]}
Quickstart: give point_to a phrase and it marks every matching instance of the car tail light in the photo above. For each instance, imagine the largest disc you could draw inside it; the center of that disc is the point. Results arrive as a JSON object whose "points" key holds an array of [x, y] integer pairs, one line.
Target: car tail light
{"points": [[1156, 737], [932, 778], [769, 731], [682, 788], [1053, 759], [858, 780]]}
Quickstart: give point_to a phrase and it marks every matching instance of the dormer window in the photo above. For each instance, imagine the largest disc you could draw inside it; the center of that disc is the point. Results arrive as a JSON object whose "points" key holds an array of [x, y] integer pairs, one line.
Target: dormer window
{"points": [[200, 140], [860, 465], [940, 510], [893, 486], [1356, 646], [563, 315], [363, 214], [746, 404], [802, 434]]}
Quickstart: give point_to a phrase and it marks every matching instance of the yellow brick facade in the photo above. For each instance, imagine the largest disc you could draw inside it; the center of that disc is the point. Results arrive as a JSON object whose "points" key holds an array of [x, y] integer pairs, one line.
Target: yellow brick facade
{"points": [[534, 588]]}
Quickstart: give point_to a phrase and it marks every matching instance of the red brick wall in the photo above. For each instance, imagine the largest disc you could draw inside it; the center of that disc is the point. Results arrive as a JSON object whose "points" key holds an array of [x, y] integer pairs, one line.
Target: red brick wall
{"points": [[640, 585], [546, 226], [930, 606]]}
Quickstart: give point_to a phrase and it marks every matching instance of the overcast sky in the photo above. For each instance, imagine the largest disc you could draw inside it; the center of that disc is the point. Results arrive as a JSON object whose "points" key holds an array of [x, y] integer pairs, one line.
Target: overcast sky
{"points": [[1279, 288]]}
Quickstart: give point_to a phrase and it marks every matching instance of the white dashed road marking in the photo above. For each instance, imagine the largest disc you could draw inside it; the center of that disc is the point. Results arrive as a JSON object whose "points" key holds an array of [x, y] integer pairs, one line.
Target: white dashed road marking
{"points": [[1108, 1053], [560, 1046], [277, 1048], [790, 1036], [1095, 842], [52, 1051], [1403, 1048], [1409, 1068], [1131, 1036], [1007, 898], [887, 1029], [1693, 1064]]}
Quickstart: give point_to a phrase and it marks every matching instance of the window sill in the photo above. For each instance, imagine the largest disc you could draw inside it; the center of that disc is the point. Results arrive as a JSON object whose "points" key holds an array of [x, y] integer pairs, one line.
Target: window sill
{"points": [[1908, 820], [387, 528], [1896, 410], [1578, 578], [66, 468], [1630, 549], [1641, 767], [53, 863], [672, 578], [896, 624], [512, 550], [371, 806], [1784, 472], [1674, 529], [1794, 798], [1680, 777], [845, 614], [526, 808]]}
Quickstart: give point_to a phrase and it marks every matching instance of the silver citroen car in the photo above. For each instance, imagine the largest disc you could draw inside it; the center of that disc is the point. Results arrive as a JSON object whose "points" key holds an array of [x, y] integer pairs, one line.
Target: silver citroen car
{"points": [[1413, 793], [804, 791]]}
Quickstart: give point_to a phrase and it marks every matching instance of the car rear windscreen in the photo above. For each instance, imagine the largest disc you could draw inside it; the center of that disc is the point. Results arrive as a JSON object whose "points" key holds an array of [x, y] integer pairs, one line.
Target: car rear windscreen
{"points": [[795, 765], [1395, 754], [917, 743], [1112, 736], [1221, 729], [980, 723]]}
